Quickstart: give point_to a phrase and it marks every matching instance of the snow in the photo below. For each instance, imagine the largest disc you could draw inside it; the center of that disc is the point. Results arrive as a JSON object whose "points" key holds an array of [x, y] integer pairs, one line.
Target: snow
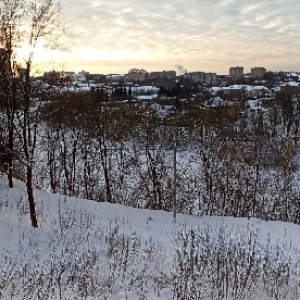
{"points": [[291, 83], [147, 97], [217, 101], [254, 105], [82, 236]]}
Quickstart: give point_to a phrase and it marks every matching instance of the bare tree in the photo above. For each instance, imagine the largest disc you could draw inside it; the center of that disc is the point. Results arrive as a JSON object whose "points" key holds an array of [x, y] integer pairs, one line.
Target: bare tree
{"points": [[10, 19], [23, 22]]}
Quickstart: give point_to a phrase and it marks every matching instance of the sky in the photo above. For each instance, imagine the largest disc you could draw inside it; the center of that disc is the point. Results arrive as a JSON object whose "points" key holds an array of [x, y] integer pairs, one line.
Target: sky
{"points": [[104, 36]]}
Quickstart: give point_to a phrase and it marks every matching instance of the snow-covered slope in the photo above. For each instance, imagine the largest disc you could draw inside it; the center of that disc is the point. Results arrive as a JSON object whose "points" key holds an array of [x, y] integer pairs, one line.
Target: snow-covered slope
{"points": [[89, 250]]}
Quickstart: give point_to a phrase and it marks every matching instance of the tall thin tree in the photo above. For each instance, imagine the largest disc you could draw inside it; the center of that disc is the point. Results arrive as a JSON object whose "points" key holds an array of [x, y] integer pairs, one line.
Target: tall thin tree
{"points": [[24, 22]]}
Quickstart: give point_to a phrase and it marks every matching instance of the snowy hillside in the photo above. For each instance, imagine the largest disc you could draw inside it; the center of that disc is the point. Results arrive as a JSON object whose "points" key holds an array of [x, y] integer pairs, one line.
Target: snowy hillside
{"points": [[89, 250]]}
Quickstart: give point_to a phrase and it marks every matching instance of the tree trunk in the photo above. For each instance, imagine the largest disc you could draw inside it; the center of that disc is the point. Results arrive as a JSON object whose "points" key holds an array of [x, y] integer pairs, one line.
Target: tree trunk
{"points": [[33, 217], [103, 156], [10, 157]]}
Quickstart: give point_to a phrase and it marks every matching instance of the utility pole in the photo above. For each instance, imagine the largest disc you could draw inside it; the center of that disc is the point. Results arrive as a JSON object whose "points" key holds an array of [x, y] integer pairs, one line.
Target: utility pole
{"points": [[175, 175]]}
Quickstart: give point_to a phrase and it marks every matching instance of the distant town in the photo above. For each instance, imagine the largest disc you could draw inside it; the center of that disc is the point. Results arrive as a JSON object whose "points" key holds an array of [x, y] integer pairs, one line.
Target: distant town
{"points": [[140, 84]]}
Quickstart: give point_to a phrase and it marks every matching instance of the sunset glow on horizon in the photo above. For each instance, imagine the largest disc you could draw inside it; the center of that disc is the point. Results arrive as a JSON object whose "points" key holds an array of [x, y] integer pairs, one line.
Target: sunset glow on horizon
{"points": [[205, 35]]}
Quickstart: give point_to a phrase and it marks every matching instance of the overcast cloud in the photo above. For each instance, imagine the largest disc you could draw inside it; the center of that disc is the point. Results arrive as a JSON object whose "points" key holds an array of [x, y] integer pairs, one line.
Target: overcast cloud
{"points": [[202, 35]]}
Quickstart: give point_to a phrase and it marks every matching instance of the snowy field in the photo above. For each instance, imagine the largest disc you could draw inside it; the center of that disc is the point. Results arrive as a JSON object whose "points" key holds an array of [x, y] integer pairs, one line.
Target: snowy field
{"points": [[89, 250]]}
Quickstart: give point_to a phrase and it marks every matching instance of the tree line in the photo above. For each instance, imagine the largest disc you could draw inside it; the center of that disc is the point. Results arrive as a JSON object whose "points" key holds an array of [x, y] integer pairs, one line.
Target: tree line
{"points": [[229, 163]]}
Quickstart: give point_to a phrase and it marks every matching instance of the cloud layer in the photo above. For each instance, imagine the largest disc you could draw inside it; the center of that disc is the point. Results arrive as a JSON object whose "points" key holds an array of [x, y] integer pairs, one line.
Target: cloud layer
{"points": [[202, 35]]}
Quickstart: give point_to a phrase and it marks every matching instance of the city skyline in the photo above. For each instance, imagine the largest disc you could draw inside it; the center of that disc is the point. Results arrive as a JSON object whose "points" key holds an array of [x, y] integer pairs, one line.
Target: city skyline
{"points": [[205, 35]]}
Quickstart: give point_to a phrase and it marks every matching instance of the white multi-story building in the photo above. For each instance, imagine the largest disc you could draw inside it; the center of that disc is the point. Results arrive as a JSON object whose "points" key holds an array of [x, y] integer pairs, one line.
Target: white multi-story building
{"points": [[203, 77]]}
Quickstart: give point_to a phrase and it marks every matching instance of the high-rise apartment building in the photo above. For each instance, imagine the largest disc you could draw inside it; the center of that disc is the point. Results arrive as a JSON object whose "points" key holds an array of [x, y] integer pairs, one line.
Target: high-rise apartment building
{"points": [[236, 72], [258, 72]]}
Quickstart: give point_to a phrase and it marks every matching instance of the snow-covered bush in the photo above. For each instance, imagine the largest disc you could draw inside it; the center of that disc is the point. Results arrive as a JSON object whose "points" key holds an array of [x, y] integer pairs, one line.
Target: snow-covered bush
{"points": [[217, 265]]}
